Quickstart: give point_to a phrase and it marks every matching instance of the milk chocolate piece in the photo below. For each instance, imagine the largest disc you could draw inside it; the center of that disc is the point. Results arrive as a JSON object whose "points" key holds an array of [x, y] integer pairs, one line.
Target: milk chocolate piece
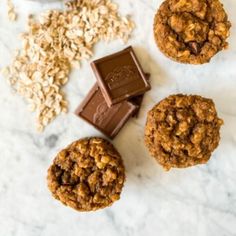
{"points": [[138, 100], [109, 120], [120, 76]]}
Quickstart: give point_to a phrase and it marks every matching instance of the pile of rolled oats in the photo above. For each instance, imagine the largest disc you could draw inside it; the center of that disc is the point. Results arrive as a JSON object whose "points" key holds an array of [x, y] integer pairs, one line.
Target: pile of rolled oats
{"points": [[55, 43], [11, 11]]}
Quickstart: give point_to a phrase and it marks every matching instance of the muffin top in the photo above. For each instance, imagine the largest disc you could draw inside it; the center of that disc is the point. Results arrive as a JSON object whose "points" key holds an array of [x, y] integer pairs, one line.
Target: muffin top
{"points": [[191, 31], [88, 175], [182, 131]]}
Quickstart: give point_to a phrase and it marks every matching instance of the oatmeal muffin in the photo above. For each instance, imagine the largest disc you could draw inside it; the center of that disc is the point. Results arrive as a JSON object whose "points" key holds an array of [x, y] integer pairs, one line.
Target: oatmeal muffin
{"points": [[191, 31], [182, 131], [88, 175]]}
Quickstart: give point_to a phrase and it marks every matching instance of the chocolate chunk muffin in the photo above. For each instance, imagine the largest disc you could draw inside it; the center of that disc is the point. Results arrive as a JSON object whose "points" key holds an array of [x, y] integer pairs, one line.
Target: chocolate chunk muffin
{"points": [[191, 31], [182, 131], [88, 175]]}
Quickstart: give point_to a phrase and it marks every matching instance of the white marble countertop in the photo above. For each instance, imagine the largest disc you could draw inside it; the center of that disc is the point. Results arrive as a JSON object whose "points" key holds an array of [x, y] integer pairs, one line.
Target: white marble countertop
{"points": [[199, 201]]}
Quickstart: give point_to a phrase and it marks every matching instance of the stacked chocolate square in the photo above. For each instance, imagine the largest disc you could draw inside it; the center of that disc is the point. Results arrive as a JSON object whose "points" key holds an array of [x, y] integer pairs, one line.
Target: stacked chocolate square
{"points": [[118, 93]]}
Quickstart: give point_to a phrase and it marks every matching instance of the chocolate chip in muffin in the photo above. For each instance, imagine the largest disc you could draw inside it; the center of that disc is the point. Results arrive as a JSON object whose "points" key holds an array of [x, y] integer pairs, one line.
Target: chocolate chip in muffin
{"points": [[191, 31], [88, 175], [182, 131]]}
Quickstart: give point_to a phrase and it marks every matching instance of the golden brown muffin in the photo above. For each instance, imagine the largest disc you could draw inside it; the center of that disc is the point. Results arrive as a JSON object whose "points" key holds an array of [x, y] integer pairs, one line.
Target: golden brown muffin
{"points": [[182, 131], [88, 175], [191, 31]]}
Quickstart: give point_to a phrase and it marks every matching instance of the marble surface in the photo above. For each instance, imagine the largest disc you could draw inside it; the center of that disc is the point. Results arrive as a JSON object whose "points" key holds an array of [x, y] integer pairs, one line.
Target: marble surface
{"points": [[199, 201]]}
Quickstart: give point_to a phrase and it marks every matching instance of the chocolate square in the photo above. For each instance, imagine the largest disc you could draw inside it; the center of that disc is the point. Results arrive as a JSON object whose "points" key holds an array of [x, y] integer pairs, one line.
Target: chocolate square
{"points": [[109, 120], [120, 76]]}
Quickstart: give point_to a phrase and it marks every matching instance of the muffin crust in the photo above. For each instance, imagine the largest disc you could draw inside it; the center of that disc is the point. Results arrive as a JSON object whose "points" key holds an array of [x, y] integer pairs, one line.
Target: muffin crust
{"points": [[182, 131], [88, 175], [191, 31]]}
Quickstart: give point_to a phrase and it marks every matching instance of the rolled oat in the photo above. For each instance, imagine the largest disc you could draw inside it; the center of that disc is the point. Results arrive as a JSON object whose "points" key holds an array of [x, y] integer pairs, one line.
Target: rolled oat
{"points": [[56, 42], [12, 16]]}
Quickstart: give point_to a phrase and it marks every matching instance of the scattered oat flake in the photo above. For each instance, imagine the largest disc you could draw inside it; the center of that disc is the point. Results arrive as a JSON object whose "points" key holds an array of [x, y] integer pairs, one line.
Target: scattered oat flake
{"points": [[56, 42], [5, 71], [12, 16]]}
